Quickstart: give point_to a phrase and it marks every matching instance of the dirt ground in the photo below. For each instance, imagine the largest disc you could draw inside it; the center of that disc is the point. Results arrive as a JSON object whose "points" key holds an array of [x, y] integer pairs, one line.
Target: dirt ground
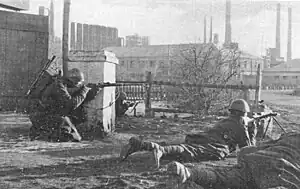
{"points": [[95, 164]]}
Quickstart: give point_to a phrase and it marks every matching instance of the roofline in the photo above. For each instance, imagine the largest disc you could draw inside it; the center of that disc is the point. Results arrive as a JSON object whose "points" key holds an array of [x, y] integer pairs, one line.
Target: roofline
{"points": [[12, 7]]}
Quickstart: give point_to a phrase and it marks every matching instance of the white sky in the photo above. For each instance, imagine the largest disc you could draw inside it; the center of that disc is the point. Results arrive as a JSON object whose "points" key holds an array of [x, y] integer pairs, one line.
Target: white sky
{"points": [[181, 21]]}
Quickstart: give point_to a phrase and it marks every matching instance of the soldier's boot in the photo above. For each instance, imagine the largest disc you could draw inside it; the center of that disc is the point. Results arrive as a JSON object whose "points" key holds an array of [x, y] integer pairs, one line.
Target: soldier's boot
{"points": [[136, 144], [179, 170], [175, 151]]}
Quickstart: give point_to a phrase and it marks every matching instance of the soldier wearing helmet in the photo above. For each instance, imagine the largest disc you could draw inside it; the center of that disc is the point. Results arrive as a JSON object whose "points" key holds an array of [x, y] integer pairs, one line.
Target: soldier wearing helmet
{"points": [[215, 144], [60, 108]]}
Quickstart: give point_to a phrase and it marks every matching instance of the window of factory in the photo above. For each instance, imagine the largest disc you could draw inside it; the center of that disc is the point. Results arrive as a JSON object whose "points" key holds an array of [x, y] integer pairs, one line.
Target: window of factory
{"points": [[122, 63], [284, 77], [276, 77], [295, 77]]}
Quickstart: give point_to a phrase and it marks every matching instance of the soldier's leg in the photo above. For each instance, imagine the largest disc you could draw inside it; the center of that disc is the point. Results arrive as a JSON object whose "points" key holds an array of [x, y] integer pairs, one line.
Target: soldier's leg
{"points": [[40, 129], [180, 152], [68, 131], [211, 177]]}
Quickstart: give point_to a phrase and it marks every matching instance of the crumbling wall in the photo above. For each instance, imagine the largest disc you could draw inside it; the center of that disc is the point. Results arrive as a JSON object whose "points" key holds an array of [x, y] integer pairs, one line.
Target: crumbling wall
{"points": [[23, 51]]}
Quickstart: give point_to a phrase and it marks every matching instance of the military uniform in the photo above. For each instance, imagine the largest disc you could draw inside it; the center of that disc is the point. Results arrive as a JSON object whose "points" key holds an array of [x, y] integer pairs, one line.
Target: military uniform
{"points": [[214, 144], [54, 115], [121, 106], [272, 164]]}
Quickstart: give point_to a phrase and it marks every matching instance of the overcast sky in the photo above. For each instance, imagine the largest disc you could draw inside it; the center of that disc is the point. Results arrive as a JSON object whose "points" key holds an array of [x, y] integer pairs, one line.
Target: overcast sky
{"points": [[181, 21]]}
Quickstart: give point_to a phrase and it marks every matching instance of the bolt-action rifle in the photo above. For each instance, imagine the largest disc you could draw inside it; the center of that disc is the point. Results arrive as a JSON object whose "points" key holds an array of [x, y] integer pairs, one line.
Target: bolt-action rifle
{"points": [[39, 77]]}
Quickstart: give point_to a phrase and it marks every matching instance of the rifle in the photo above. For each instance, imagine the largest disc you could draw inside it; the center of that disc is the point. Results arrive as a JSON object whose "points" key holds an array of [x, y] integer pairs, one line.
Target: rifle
{"points": [[272, 115], [40, 75], [256, 118]]}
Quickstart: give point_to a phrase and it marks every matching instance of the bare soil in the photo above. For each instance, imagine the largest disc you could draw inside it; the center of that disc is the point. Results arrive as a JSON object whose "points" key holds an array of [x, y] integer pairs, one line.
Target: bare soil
{"points": [[95, 164]]}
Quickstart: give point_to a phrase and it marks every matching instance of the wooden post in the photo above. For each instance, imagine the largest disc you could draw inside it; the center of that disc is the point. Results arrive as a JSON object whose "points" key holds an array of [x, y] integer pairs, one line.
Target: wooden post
{"points": [[148, 112], [65, 38], [258, 85], [73, 38]]}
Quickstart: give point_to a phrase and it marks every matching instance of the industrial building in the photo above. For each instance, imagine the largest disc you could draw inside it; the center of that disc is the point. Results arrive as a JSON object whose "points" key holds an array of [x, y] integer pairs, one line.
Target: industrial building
{"points": [[136, 57], [136, 40]]}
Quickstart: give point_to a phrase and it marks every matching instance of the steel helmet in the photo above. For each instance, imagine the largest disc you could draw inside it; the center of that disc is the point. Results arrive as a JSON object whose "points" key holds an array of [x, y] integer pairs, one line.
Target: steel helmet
{"points": [[75, 75], [240, 105]]}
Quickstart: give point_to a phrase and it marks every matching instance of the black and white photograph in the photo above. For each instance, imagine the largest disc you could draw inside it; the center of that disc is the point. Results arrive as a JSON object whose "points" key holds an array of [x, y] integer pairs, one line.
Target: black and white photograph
{"points": [[149, 94]]}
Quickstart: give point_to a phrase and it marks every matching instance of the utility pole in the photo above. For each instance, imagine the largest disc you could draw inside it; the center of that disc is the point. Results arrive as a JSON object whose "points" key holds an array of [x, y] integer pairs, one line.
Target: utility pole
{"points": [[65, 37]]}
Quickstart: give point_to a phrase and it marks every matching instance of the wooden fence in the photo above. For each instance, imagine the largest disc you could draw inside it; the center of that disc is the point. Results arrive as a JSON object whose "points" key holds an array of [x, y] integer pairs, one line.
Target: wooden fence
{"points": [[150, 90]]}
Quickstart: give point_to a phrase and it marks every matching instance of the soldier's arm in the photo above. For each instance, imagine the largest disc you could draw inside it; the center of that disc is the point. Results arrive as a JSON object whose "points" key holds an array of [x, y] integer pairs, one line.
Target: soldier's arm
{"points": [[71, 102], [91, 95], [252, 131], [246, 138]]}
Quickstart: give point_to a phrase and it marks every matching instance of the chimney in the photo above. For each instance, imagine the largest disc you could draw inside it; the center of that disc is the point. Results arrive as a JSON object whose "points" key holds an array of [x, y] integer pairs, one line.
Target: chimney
{"points": [[227, 23], [289, 43], [278, 31], [210, 33], [51, 20], [42, 10], [204, 41]]}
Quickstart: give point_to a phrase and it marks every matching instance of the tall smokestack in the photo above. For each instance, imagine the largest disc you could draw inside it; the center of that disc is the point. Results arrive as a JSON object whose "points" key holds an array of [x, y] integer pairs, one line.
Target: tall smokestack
{"points": [[278, 31], [210, 32], [51, 18], [204, 29], [289, 43], [227, 22]]}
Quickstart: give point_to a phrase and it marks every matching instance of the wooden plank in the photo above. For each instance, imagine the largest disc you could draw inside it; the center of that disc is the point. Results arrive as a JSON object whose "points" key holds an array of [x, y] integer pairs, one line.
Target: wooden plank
{"points": [[85, 36], [21, 21], [73, 37], [79, 37]]}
